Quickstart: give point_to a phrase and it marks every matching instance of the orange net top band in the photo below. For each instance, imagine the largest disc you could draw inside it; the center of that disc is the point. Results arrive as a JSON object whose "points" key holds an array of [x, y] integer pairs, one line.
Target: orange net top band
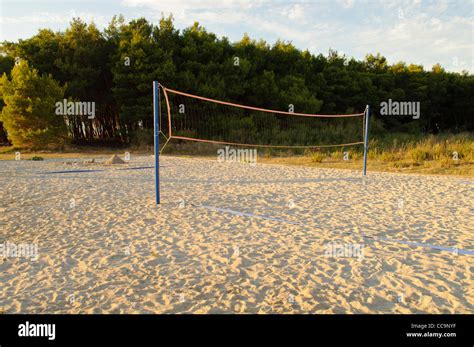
{"points": [[262, 109]]}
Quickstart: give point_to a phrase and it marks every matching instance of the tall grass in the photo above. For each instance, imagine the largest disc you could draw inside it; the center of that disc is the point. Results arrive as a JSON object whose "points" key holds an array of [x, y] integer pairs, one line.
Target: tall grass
{"points": [[438, 154], [430, 153], [444, 148]]}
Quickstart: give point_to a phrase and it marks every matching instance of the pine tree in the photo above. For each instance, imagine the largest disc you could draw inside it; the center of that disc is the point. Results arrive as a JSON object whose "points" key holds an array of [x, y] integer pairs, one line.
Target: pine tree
{"points": [[29, 113]]}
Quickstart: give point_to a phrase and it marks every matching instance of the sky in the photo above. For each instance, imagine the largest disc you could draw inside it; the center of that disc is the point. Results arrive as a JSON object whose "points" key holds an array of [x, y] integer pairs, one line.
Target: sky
{"points": [[414, 31]]}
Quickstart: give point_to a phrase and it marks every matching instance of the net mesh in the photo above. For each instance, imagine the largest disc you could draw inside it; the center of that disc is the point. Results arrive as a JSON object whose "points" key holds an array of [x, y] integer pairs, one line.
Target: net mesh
{"points": [[195, 118]]}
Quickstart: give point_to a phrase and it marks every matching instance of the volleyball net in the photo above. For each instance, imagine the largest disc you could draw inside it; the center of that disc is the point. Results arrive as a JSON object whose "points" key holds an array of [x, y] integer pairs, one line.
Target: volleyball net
{"points": [[187, 117]]}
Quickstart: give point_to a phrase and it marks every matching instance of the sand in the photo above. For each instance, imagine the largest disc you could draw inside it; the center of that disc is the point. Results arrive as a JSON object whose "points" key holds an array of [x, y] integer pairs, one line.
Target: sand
{"points": [[234, 238]]}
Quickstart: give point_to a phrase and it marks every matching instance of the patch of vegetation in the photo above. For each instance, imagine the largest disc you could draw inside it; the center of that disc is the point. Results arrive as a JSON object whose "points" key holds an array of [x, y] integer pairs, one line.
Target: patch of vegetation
{"points": [[433, 154], [317, 157], [37, 158]]}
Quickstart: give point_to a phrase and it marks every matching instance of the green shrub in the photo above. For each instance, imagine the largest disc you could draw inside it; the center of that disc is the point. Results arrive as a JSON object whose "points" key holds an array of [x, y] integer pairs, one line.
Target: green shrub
{"points": [[317, 157], [36, 158]]}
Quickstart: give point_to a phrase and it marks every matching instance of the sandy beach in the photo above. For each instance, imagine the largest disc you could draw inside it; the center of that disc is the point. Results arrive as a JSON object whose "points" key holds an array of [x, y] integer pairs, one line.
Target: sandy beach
{"points": [[233, 238]]}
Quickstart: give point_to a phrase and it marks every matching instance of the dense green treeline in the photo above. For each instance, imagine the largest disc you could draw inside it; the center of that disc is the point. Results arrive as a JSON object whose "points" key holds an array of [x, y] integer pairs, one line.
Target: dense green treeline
{"points": [[115, 68]]}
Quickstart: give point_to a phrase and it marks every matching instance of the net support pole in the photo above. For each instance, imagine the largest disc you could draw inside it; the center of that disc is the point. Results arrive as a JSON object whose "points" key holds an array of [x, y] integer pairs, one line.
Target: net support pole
{"points": [[366, 136], [156, 122]]}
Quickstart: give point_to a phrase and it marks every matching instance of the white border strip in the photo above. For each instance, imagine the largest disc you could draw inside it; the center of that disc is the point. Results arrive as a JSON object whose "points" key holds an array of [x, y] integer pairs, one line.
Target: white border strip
{"points": [[383, 239]]}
